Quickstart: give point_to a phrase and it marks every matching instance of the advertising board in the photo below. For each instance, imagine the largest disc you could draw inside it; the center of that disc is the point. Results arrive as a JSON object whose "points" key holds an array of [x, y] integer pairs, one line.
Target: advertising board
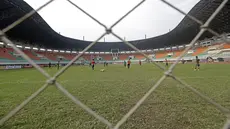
{"points": [[28, 66], [13, 67]]}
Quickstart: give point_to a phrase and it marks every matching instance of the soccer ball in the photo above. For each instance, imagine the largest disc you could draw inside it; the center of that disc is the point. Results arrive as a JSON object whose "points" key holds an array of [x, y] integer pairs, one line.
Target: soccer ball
{"points": [[102, 70]]}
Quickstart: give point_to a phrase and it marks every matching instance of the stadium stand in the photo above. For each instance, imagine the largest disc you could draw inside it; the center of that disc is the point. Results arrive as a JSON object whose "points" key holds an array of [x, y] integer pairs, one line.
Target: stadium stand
{"points": [[139, 56], [200, 51], [226, 46], [31, 55], [9, 54], [106, 57], [87, 57], [69, 56], [123, 56], [161, 55], [4, 54], [48, 55], [177, 53]]}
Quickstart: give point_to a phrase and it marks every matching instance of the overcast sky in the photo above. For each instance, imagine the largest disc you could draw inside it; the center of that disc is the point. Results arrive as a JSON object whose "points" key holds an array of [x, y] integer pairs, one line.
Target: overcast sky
{"points": [[152, 18]]}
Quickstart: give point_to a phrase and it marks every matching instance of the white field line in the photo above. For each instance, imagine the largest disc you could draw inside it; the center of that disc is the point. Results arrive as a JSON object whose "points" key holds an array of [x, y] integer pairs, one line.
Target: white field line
{"points": [[26, 80], [12, 75], [18, 77], [114, 80], [203, 77]]}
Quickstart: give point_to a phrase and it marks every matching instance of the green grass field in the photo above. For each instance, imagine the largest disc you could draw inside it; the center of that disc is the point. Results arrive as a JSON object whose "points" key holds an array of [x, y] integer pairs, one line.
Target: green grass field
{"points": [[112, 93]]}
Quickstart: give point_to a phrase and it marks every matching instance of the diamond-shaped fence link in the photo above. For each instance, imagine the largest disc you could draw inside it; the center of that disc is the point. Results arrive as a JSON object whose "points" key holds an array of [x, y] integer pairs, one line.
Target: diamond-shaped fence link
{"points": [[52, 80]]}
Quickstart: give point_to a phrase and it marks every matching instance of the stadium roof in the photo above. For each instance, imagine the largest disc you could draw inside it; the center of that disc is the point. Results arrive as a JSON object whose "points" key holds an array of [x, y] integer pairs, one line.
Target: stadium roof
{"points": [[36, 31]]}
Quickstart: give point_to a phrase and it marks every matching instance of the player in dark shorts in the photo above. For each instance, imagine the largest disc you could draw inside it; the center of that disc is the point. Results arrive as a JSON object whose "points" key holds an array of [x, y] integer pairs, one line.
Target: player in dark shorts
{"points": [[129, 63], [166, 63], [183, 61], [49, 65], [92, 64], [197, 66], [58, 65], [139, 62]]}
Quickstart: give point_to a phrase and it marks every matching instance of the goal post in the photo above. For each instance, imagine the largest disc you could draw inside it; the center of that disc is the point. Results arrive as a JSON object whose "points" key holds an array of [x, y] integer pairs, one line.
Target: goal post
{"points": [[115, 54]]}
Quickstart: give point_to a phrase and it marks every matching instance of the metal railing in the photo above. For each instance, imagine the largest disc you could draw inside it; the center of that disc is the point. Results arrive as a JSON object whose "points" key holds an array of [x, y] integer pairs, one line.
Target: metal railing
{"points": [[51, 80]]}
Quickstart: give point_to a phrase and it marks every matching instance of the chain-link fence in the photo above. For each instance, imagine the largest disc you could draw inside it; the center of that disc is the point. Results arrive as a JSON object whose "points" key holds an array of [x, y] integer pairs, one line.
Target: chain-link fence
{"points": [[51, 80]]}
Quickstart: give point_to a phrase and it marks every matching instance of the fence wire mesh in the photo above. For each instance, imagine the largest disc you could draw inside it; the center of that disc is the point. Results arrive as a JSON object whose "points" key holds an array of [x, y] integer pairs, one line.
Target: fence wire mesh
{"points": [[109, 30]]}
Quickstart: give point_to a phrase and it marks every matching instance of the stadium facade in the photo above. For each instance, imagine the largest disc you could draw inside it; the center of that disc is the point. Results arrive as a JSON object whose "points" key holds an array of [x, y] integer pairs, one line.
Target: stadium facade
{"points": [[46, 37]]}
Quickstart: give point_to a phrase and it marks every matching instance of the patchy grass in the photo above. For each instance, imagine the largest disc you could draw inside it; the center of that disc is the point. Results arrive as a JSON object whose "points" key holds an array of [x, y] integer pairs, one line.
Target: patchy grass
{"points": [[112, 93]]}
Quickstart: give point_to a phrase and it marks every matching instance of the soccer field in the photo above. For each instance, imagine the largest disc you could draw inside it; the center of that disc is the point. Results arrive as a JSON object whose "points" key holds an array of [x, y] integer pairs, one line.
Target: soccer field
{"points": [[113, 93]]}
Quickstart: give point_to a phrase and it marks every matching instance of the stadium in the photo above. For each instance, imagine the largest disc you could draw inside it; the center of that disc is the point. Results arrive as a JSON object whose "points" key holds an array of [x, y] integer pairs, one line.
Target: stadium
{"points": [[178, 80]]}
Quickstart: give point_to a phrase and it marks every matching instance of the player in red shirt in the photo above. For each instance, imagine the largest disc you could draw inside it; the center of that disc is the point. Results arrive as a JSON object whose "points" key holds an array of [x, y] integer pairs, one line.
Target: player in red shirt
{"points": [[93, 63], [139, 62], [129, 63]]}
